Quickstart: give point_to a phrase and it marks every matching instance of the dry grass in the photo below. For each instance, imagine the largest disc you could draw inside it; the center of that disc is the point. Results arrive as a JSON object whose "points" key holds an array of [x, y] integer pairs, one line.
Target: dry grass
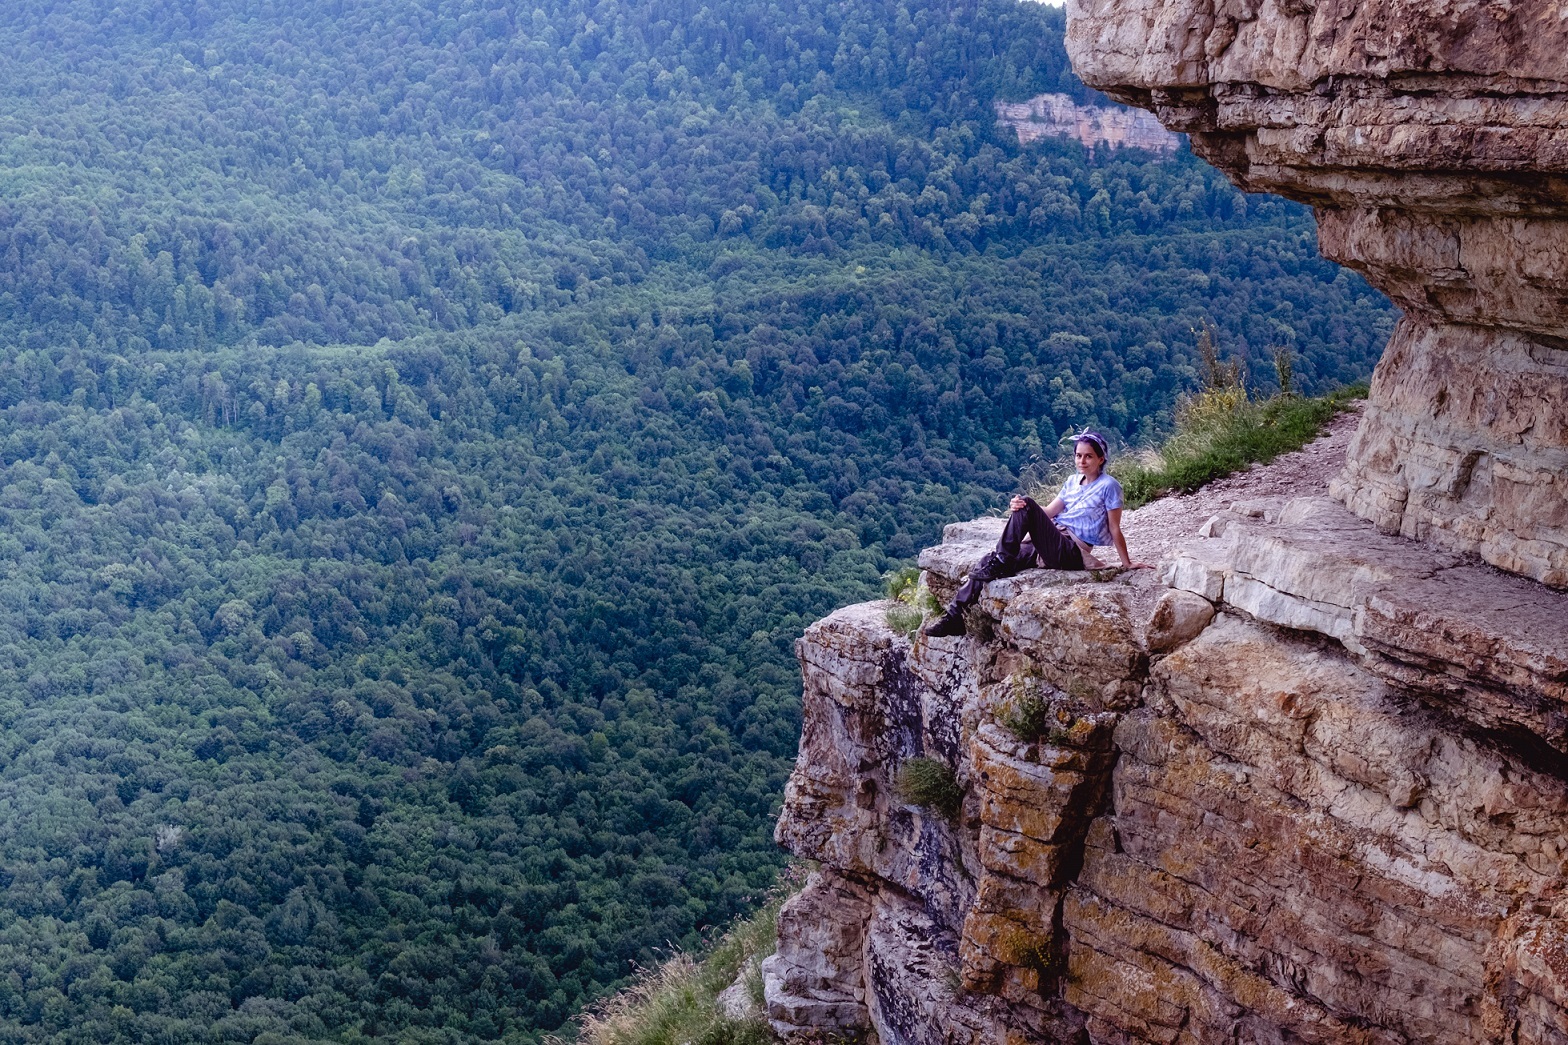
{"points": [[676, 1003], [910, 600], [1220, 431]]}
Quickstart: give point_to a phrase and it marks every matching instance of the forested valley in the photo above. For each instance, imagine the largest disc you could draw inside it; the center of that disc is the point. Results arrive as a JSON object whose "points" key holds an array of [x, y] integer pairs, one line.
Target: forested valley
{"points": [[426, 426]]}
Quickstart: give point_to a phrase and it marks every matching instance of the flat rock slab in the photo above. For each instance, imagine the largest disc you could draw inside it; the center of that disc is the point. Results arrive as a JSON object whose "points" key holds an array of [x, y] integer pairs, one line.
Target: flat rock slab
{"points": [[963, 545], [1494, 647], [1479, 633], [1152, 530]]}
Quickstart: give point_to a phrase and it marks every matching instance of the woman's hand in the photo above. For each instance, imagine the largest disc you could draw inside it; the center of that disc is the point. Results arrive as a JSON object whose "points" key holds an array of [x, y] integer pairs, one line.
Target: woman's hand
{"points": [[1113, 520], [1018, 503]]}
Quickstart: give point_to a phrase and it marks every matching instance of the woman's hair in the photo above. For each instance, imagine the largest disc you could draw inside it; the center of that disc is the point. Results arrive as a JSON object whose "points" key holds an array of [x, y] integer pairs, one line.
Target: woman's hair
{"points": [[1094, 439]]}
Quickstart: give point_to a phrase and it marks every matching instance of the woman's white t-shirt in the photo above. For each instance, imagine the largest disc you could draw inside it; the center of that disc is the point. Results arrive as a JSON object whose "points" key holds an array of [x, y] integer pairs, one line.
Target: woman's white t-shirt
{"points": [[1087, 504]]}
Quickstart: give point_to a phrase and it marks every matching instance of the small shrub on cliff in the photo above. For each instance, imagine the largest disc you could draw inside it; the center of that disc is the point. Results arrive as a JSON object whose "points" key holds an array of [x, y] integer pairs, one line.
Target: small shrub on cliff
{"points": [[1030, 717], [929, 783], [902, 583], [911, 600], [1031, 720], [1027, 715]]}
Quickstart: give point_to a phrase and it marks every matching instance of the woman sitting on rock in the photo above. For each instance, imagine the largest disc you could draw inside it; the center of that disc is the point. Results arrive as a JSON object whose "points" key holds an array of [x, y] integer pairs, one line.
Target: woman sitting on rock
{"points": [[1061, 536]]}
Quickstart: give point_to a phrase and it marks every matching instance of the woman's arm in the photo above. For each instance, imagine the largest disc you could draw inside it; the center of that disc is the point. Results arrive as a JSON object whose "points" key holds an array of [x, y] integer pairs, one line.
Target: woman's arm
{"points": [[1052, 510], [1113, 518]]}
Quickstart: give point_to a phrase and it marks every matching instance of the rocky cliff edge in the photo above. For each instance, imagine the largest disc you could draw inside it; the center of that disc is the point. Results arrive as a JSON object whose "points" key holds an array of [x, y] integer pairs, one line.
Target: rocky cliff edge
{"points": [[1307, 784]]}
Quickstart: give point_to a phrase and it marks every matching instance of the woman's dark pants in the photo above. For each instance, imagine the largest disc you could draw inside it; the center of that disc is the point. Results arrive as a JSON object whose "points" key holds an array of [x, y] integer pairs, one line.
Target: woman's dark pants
{"points": [[1030, 539]]}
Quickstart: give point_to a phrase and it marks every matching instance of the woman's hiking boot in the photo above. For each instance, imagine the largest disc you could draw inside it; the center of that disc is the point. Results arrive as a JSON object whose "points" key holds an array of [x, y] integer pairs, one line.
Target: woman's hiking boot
{"points": [[949, 623]]}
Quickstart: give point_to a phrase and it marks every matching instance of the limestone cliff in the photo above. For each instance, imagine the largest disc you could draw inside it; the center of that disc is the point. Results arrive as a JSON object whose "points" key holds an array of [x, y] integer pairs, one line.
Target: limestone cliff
{"points": [[1310, 782], [1305, 785]]}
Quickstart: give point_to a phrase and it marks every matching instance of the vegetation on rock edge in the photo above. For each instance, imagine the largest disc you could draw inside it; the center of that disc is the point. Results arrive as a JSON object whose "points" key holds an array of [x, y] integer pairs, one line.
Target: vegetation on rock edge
{"points": [[1220, 431]]}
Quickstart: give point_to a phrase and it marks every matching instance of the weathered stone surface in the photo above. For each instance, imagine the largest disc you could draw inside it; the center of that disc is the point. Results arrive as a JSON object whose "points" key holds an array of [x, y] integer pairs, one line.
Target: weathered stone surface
{"points": [[950, 671], [1009, 936], [1283, 838], [1087, 638], [1044, 792], [1179, 616], [1433, 141], [815, 982], [1466, 447], [1309, 568], [1492, 648], [1036, 801], [1292, 848], [915, 997], [838, 795], [864, 717], [1298, 852], [1159, 45], [1314, 791], [963, 545], [736, 1002], [1059, 116], [991, 883], [1527, 996]]}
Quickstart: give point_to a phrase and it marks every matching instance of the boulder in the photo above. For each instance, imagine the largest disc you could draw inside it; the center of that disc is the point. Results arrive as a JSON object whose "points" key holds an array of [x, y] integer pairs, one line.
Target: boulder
{"points": [[1179, 616], [815, 983]]}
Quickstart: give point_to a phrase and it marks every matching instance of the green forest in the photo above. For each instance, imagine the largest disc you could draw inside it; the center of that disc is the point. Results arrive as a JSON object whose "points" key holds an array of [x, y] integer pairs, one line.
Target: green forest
{"points": [[425, 428]]}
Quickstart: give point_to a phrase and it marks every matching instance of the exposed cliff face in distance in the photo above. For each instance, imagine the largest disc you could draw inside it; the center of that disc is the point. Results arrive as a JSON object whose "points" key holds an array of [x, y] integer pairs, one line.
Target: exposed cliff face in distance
{"points": [[1432, 138], [1307, 784], [1058, 116]]}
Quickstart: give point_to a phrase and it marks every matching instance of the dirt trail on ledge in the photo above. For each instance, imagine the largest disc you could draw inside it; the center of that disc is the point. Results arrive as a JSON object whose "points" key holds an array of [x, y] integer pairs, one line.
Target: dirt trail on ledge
{"points": [[1153, 529]]}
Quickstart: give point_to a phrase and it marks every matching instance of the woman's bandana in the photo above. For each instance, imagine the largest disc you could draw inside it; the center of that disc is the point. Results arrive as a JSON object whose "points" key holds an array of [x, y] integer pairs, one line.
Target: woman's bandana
{"points": [[1095, 439]]}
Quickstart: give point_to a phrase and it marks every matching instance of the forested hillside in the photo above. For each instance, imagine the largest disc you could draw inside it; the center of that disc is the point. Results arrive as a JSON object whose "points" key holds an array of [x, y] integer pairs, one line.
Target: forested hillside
{"points": [[425, 428]]}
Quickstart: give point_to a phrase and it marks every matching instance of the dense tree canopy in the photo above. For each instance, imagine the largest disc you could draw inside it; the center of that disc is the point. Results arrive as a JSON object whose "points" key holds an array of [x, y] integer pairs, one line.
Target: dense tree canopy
{"points": [[425, 428]]}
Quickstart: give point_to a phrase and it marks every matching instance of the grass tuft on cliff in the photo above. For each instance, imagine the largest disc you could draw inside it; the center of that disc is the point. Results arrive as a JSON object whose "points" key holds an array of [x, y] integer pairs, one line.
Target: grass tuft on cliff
{"points": [[929, 783], [677, 1002], [909, 600], [1222, 430]]}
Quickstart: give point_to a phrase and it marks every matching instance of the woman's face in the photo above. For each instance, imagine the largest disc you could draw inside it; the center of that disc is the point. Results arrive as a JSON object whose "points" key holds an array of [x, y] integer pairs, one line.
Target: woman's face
{"points": [[1088, 460]]}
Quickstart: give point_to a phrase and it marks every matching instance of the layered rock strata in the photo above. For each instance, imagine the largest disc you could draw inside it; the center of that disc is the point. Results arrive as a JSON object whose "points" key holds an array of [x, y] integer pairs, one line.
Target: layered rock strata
{"points": [[1235, 801], [1432, 140], [1489, 648]]}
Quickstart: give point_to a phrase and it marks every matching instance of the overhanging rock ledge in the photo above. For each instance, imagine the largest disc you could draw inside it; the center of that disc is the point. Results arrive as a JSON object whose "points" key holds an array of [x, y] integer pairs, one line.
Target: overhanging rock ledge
{"points": [[1432, 140], [1289, 789]]}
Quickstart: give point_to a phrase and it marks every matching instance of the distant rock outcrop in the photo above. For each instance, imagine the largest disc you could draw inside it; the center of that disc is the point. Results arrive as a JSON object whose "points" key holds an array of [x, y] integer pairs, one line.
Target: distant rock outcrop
{"points": [[1058, 116]]}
